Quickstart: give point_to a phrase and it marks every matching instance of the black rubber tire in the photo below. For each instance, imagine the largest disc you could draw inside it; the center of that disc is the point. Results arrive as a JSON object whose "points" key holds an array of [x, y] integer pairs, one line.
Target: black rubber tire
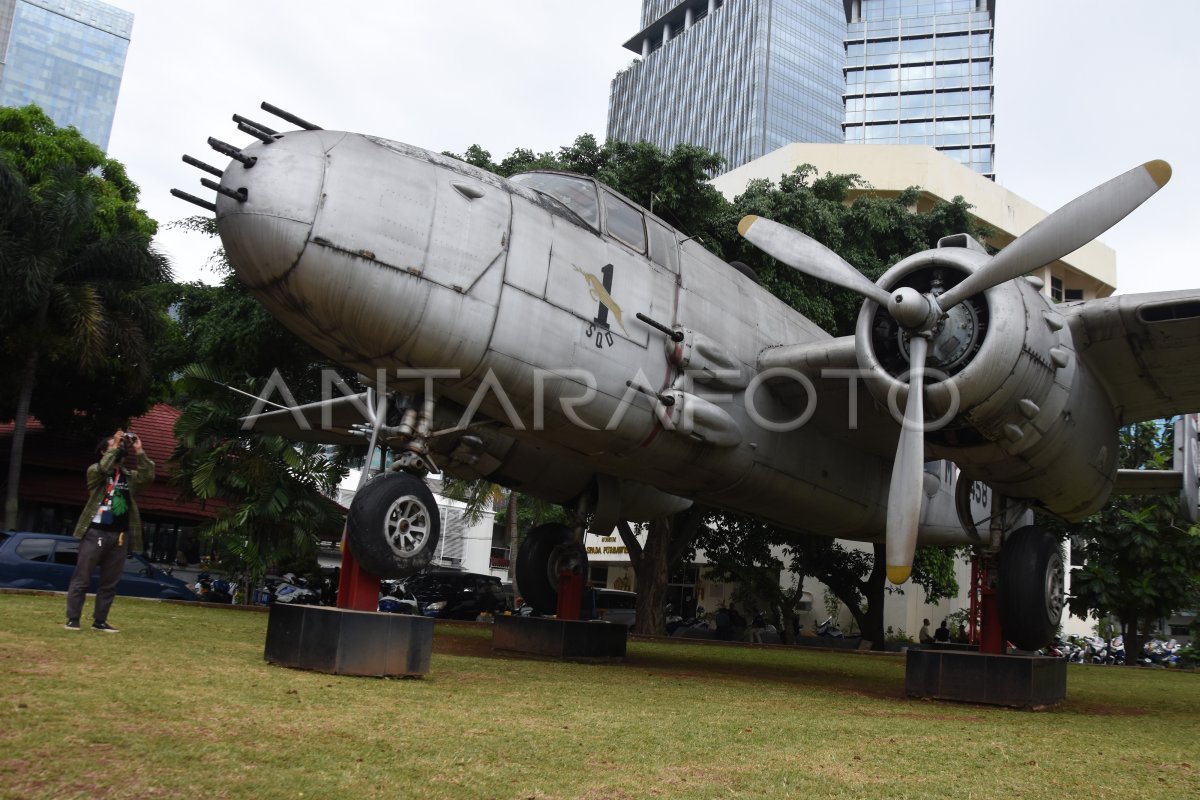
{"points": [[544, 548], [393, 526], [1031, 587]]}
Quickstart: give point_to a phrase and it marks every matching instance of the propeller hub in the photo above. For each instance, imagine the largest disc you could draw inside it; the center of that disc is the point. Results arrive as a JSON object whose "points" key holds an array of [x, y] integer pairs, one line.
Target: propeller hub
{"points": [[911, 309]]}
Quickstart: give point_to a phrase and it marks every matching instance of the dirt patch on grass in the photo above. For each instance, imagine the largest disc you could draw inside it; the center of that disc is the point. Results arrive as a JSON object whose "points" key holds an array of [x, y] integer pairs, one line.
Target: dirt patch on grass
{"points": [[457, 645]]}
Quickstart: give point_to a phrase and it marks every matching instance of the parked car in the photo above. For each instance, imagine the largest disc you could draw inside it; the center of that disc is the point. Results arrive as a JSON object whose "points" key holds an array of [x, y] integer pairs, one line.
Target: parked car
{"points": [[616, 606], [46, 561], [446, 594]]}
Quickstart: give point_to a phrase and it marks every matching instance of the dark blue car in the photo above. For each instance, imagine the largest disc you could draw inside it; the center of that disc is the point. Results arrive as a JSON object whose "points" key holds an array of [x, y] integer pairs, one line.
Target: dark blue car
{"points": [[46, 561]]}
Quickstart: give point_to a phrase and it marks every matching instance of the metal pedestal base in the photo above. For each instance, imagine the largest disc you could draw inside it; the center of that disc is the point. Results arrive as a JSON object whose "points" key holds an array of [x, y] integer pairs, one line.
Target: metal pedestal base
{"points": [[1002, 680], [559, 638], [343, 642]]}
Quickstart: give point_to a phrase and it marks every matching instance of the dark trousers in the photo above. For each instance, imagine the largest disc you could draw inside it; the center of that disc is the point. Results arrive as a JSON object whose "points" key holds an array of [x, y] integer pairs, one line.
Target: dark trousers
{"points": [[98, 548]]}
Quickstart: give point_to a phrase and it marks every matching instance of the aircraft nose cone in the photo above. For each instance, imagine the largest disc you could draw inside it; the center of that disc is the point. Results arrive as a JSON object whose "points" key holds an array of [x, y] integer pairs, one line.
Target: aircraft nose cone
{"points": [[265, 234]]}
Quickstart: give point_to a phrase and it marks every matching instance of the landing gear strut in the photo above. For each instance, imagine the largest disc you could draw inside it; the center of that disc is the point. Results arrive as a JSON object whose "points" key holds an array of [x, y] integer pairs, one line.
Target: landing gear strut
{"points": [[393, 527]]}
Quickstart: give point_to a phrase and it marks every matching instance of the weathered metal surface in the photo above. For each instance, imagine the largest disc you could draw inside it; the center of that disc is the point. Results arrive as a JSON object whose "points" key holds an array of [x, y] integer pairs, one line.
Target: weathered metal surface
{"points": [[387, 256], [344, 642]]}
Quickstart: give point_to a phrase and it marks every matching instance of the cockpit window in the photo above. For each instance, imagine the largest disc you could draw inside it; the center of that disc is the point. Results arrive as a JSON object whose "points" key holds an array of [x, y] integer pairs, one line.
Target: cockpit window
{"points": [[625, 222], [577, 194]]}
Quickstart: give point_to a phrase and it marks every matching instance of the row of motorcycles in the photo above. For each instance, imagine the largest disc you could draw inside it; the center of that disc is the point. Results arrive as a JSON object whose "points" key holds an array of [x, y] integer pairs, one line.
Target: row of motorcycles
{"points": [[286, 589], [1098, 650]]}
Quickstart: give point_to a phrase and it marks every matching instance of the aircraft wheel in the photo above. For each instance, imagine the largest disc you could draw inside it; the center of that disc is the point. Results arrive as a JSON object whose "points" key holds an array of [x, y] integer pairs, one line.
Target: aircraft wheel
{"points": [[1032, 581], [547, 550], [393, 526]]}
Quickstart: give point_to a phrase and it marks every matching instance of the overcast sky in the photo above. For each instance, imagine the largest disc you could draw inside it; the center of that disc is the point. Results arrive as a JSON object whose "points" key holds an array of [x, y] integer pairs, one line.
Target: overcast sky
{"points": [[1085, 89]]}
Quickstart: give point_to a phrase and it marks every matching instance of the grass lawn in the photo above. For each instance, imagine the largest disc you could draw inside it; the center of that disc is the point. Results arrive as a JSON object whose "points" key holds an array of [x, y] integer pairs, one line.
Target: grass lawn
{"points": [[181, 704]]}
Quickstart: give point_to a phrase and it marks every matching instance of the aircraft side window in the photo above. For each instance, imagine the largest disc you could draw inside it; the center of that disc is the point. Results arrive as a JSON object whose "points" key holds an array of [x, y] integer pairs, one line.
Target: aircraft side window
{"points": [[624, 222], [664, 249]]}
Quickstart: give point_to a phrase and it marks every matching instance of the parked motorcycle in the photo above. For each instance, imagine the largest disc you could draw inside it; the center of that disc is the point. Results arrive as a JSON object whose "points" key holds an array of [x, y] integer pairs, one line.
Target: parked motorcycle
{"points": [[394, 599], [1158, 653], [828, 628], [1116, 651], [295, 591]]}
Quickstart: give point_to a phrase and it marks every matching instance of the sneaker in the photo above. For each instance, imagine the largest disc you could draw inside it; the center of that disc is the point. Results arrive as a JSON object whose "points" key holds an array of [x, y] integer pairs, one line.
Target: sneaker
{"points": [[104, 626], [72, 625]]}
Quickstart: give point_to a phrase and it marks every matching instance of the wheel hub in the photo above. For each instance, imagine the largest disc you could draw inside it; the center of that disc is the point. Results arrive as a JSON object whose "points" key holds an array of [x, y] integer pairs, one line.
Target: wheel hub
{"points": [[1055, 589], [407, 525]]}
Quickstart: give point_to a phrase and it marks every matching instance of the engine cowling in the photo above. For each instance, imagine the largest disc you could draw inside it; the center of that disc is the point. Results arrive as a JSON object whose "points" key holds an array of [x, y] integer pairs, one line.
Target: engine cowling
{"points": [[1005, 396]]}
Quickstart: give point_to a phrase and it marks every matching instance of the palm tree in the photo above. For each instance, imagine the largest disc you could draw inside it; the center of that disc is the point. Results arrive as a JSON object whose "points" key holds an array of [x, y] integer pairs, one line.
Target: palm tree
{"points": [[275, 493], [75, 258]]}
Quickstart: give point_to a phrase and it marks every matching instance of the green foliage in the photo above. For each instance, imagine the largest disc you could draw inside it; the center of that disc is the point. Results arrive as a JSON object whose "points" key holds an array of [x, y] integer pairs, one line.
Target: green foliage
{"points": [[1188, 656], [77, 267], [738, 547], [226, 328], [40, 152], [871, 232], [898, 636], [272, 495], [1141, 560]]}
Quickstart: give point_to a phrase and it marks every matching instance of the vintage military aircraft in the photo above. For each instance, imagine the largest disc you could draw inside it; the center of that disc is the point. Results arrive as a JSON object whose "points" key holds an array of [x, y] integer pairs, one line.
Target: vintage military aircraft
{"points": [[547, 334]]}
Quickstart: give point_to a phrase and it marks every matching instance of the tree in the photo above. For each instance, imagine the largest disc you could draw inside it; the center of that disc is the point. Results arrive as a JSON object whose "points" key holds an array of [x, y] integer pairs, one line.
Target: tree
{"points": [[738, 547], [666, 540], [1141, 560], [275, 493], [76, 262]]}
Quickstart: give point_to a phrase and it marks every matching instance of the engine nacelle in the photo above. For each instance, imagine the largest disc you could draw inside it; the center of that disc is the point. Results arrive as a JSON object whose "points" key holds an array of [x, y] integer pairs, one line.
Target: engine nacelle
{"points": [[1006, 397]]}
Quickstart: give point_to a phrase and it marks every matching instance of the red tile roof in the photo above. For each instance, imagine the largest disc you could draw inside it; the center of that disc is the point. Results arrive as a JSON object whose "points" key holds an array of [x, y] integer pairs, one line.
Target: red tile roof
{"points": [[54, 466]]}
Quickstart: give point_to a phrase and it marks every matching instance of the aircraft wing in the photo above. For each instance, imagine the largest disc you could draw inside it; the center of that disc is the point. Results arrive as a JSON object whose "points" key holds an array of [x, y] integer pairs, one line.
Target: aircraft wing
{"points": [[1144, 348], [325, 422]]}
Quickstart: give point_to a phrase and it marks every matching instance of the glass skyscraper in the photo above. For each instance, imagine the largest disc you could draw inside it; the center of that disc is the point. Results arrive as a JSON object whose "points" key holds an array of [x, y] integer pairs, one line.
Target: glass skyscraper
{"points": [[67, 56], [920, 72], [745, 77]]}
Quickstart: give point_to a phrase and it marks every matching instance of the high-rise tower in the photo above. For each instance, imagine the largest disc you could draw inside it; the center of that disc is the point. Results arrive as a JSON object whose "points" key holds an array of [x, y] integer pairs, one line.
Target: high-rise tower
{"points": [[920, 72], [745, 77], [67, 56]]}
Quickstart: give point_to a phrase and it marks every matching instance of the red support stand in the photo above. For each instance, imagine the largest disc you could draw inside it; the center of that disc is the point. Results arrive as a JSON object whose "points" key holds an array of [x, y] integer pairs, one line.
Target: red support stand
{"points": [[985, 629], [358, 590], [992, 638], [570, 594]]}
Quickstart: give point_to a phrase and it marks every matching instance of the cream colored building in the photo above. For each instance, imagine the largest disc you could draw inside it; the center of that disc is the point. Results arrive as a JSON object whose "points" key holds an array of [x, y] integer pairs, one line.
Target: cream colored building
{"points": [[889, 169]]}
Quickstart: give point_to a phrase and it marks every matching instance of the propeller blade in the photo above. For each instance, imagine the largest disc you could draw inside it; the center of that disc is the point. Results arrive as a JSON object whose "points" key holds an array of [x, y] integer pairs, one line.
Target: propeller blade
{"points": [[908, 472], [808, 256], [1066, 230]]}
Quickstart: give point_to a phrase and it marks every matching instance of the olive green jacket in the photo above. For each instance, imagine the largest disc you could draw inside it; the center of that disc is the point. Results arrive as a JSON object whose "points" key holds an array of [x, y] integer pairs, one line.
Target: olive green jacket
{"points": [[97, 481]]}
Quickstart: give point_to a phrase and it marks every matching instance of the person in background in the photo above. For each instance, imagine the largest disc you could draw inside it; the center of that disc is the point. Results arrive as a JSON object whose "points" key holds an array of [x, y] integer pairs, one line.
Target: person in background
{"points": [[109, 528], [942, 634], [923, 637]]}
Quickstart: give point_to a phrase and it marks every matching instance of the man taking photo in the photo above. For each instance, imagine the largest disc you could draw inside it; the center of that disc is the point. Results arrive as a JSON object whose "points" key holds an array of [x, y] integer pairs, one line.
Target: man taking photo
{"points": [[109, 526]]}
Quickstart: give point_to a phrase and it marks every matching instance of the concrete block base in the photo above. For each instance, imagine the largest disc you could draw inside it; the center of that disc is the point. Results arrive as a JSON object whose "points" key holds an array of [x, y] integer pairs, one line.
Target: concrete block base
{"points": [[1001, 680], [572, 640], [344, 642]]}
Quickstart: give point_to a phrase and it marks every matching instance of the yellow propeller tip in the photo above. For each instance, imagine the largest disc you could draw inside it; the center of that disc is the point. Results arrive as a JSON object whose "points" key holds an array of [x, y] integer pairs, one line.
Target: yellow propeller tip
{"points": [[1160, 172], [898, 575], [746, 222]]}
